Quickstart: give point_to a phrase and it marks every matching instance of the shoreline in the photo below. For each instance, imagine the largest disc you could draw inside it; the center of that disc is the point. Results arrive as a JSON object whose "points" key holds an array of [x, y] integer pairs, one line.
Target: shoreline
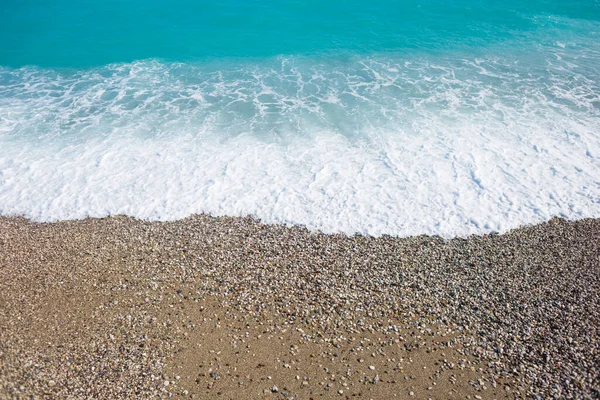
{"points": [[253, 219], [118, 307]]}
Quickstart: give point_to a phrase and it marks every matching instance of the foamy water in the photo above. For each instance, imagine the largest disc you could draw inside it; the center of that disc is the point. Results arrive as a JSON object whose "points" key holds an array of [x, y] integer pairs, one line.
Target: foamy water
{"points": [[448, 144]]}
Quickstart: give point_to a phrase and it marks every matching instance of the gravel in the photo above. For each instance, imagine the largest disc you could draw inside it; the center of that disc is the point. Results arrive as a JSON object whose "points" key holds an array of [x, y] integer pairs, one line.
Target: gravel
{"points": [[96, 308]]}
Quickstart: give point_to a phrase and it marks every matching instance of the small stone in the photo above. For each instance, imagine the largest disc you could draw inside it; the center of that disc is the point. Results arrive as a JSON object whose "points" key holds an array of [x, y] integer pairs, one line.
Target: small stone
{"points": [[411, 393], [166, 383], [372, 367], [51, 383], [340, 391], [274, 389]]}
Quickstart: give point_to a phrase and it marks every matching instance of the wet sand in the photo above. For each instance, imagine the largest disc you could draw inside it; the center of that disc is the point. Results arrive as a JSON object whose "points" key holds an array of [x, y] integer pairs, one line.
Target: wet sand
{"points": [[231, 308]]}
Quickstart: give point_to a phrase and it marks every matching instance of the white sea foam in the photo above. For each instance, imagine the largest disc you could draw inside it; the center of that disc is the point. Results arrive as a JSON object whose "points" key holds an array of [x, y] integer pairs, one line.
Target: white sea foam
{"points": [[377, 145]]}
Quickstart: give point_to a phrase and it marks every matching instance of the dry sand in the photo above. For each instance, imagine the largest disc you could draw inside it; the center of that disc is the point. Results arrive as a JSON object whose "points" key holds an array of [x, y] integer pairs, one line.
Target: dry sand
{"points": [[234, 309]]}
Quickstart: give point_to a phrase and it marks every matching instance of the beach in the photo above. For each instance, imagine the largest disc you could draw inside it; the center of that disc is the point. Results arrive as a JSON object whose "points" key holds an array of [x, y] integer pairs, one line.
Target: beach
{"points": [[300, 199], [225, 307]]}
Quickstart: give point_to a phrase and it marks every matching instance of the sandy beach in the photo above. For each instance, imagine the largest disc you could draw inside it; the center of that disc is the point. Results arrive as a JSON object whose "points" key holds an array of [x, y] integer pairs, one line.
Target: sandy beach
{"points": [[230, 308]]}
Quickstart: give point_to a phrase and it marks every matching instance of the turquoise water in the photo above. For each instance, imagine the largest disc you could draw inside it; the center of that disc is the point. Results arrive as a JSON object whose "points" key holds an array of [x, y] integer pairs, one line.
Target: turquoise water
{"points": [[398, 117], [60, 33]]}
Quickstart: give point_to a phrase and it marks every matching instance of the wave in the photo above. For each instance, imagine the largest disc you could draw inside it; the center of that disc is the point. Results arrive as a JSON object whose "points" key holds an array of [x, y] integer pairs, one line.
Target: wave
{"points": [[382, 144]]}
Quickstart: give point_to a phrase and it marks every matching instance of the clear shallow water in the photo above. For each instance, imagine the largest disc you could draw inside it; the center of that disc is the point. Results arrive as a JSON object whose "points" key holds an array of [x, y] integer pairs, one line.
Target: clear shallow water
{"points": [[433, 117]]}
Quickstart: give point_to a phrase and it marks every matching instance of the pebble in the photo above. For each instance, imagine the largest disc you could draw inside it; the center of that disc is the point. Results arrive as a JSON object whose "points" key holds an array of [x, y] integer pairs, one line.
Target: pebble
{"points": [[495, 297]]}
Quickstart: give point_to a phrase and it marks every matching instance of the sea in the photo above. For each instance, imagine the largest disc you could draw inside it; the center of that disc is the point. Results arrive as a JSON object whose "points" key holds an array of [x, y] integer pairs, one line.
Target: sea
{"points": [[395, 117]]}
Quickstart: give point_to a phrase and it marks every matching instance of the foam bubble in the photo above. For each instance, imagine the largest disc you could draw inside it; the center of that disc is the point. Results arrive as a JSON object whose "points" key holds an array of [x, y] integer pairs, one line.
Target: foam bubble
{"points": [[376, 145]]}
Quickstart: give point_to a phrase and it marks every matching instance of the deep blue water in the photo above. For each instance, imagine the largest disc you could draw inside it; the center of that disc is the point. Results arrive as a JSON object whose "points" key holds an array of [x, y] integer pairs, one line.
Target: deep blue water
{"points": [[399, 117]]}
